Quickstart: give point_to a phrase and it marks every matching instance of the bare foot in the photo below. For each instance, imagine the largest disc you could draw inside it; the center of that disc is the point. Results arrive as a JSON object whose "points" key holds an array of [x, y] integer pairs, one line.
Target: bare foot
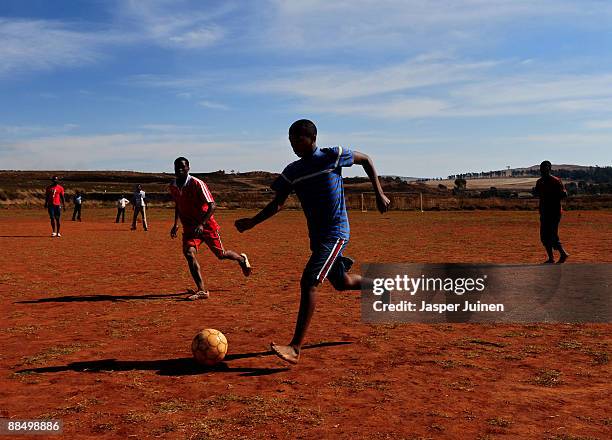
{"points": [[200, 294], [562, 258], [287, 353], [245, 265]]}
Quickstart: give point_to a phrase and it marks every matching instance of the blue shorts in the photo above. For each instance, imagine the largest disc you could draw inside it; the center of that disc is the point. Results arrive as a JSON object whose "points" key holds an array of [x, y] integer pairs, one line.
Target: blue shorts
{"points": [[54, 211], [326, 262]]}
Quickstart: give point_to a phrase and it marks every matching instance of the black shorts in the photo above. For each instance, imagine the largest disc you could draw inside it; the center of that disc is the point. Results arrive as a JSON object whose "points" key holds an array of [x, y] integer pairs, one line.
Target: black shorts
{"points": [[54, 211], [326, 262]]}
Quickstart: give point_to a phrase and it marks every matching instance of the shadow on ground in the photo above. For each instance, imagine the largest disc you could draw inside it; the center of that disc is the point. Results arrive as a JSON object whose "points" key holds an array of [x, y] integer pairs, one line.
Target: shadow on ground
{"points": [[181, 296], [175, 367]]}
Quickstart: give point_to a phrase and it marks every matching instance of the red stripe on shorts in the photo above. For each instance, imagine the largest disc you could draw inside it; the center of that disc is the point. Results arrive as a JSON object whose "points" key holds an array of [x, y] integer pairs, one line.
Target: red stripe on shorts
{"points": [[330, 260]]}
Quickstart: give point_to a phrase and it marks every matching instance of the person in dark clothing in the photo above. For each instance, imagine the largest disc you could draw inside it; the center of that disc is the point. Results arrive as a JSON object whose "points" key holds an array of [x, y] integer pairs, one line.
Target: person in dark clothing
{"points": [[550, 191], [78, 203]]}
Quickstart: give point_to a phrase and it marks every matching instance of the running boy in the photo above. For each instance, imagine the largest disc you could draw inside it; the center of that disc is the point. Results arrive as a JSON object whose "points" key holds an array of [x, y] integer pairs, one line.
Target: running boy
{"points": [[195, 206], [316, 178], [54, 201], [550, 191]]}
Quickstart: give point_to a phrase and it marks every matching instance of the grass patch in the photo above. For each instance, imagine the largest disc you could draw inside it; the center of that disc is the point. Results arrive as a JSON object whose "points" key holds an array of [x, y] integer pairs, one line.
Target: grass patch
{"points": [[570, 345], [463, 384], [569, 437], [172, 406], [135, 417], [599, 357], [52, 353], [499, 421], [103, 427], [354, 382], [547, 378]]}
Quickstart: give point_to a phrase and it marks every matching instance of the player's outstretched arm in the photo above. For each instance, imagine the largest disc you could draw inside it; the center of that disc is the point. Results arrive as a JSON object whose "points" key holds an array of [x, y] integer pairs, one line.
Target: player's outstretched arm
{"points": [[382, 202], [271, 208]]}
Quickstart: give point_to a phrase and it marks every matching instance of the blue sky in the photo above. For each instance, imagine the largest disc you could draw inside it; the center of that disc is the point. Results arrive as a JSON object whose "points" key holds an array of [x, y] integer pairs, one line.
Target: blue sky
{"points": [[427, 88]]}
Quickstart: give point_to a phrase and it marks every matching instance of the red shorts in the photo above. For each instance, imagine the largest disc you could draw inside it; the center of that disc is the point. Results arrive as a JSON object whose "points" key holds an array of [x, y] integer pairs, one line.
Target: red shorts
{"points": [[211, 238]]}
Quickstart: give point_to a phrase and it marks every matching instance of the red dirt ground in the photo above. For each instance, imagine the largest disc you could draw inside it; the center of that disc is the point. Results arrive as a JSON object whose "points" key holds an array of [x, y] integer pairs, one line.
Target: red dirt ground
{"points": [[94, 332]]}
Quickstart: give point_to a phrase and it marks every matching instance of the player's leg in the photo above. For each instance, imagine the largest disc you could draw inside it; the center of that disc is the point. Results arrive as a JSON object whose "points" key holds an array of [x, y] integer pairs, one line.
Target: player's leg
{"points": [[213, 241], [135, 219], [144, 218], [122, 215], [118, 215], [58, 213], [322, 259], [557, 243], [545, 234], [79, 213], [189, 251], [74, 212], [308, 300], [52, 220]]}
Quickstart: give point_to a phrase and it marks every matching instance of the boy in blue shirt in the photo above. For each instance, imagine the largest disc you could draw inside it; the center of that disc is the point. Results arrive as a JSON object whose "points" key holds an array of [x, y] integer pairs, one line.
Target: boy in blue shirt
{"points": [[316, 179]]}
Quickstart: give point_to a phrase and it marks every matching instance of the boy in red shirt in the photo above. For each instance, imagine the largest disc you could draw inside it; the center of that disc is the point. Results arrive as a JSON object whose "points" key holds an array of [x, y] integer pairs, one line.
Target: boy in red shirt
{"points": [[54, 200], [195, 206], [550, 191]]}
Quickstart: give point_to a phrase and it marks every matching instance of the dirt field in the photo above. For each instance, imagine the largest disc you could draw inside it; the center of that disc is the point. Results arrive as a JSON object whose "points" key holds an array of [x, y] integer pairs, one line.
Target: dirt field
{"points": [[95, 333]]}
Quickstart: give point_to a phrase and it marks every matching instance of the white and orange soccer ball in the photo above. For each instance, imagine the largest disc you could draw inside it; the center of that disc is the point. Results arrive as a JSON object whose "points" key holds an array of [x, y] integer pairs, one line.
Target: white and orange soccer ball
{"points": [[209, 346]]}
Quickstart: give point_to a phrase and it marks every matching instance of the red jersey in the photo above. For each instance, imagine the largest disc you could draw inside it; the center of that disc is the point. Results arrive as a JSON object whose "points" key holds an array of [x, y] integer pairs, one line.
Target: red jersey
{"points": [[550, 190], [53, 194], [192, 203]]}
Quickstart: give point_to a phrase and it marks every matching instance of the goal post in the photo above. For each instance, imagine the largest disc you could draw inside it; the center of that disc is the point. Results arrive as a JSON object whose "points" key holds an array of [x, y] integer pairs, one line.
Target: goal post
{"points": [[402, 201]]}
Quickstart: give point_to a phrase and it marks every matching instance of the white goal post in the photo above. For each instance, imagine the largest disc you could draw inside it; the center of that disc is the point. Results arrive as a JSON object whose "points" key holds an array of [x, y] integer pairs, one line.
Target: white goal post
{"points": [[394, 197]]}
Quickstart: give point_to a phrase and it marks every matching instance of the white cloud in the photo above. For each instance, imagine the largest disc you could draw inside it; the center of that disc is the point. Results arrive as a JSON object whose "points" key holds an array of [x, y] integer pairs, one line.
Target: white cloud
{"points": [[197, 38], [168, 127], [170, 82], [600, 124], [213, 105], [45, 45], [41, 45], [432, 86], [181, 25], [366, 24], [333, 83], [538, 88], [153, 151], [392, 108], [15, 131]]}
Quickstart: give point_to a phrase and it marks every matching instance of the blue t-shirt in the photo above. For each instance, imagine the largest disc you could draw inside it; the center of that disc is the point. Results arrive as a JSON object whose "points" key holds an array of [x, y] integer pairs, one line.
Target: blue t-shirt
{"points": [[317, 181]]}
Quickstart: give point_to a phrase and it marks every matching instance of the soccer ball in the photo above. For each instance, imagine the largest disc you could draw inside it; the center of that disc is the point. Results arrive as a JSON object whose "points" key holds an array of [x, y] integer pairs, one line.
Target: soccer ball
{"points": [[209, 346]]}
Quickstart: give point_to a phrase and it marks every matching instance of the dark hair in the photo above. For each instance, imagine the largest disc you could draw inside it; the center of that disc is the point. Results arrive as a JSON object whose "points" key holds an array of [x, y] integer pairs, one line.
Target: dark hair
{"points": [[546, 163], [303, 127], [181, 159]]}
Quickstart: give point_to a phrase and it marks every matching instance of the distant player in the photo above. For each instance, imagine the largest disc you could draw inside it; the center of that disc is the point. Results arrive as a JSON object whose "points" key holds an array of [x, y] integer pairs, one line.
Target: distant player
{"points": [[550, 190], [54, 202], [316, 178], [78, 204], [121, 204], [140, 207], [195, 206]]}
